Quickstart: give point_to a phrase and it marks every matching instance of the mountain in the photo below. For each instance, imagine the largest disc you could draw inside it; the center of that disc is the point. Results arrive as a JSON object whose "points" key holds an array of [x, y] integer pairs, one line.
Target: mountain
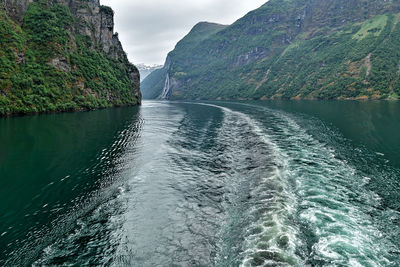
{"points": [[155, 83], [62, 55], [145, 70], [290, 49]]}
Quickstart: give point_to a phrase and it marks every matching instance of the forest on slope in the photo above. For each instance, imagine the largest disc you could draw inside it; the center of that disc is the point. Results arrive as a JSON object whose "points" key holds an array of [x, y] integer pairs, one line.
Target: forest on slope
{"points": [[289, 49], [61, 56]]}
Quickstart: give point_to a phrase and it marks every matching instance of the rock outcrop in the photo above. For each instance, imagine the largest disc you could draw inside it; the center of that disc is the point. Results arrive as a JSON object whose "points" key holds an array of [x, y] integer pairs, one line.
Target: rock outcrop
{"points": [[16, 9], [91, 28]]}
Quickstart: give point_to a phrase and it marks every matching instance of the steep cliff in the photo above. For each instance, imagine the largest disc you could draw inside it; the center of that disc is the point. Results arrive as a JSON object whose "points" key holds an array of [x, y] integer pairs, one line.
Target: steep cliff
{"points": [[303, 49], [158, 83], [59, 55]]}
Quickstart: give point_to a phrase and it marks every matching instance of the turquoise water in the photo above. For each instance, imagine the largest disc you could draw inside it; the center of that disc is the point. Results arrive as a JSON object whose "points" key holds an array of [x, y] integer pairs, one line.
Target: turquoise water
{"points": [[203, 184]]}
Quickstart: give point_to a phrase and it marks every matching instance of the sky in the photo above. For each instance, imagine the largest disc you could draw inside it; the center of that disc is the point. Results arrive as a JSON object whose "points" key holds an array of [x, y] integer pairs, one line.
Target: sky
{"points": [[149, 29]]}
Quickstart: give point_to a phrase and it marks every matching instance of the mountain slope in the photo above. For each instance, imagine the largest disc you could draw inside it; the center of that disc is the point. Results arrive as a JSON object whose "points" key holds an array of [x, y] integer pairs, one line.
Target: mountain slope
{"points": [[145, 70], [304, 49], [153, 85], [60, 56]]}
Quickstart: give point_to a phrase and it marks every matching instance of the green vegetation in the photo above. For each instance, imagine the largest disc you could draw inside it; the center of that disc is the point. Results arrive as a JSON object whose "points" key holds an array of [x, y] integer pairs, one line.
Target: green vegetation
{"points": [[346, 51], [374, 26], [48, 24], [107, 10], [156, 80], [45, 67]]}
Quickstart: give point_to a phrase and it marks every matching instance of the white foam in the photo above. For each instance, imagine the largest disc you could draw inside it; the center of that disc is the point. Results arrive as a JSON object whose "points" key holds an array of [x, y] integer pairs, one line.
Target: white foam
{"points": [[325, 185], [281, 203]]}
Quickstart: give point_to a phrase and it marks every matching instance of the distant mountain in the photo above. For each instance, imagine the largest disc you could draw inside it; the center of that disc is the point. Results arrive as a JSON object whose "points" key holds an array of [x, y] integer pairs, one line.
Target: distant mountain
{"points": [[61, 56], [145, 70], [289, 49]]}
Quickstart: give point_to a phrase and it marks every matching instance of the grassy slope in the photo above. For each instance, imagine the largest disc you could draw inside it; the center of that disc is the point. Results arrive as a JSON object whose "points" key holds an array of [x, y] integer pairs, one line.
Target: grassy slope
{"points": [[359, 61], [29, 84]]}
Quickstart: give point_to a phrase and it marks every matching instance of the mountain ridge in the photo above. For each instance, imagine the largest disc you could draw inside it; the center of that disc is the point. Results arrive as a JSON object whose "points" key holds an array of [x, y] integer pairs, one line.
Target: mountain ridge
{"points": [[145, 70], [292, 49]]}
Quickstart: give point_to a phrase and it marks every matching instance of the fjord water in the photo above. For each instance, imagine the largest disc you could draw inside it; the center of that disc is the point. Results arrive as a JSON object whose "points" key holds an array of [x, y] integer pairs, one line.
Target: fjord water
{"points": [[203, 184]]}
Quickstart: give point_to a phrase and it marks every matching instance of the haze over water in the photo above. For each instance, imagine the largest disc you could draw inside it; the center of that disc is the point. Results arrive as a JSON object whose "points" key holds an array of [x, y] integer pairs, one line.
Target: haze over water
{"points": [[203, 184]]}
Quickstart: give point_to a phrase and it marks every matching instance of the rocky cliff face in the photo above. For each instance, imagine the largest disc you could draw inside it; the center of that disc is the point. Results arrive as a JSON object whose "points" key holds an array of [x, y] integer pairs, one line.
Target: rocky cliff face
{"points": [[95, 21], [89, 31], [291, 49], [16, 9]]}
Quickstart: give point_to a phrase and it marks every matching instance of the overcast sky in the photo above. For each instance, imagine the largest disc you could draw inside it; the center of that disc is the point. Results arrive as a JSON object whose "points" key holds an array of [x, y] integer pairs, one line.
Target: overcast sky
{"points": [[149, 29]]}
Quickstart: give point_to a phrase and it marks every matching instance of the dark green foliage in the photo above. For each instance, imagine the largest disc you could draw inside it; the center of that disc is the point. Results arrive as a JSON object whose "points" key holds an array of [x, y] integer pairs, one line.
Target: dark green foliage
{"points": [[101, 74], [30, 84], [48, 24], [106, 10]]}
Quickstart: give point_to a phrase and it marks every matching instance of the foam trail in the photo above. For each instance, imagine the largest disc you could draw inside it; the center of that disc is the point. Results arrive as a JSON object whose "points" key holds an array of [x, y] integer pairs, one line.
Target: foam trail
{"points": [[333, 211], [268, 237]]}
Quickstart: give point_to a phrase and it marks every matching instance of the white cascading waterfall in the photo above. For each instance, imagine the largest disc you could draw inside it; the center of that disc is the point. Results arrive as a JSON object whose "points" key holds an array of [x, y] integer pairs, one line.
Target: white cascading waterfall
{"points": [[166, 89]]}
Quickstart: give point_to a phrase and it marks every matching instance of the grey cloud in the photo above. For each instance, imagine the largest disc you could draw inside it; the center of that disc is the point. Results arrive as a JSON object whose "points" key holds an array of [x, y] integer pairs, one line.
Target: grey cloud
{"points": [[150, 29]]}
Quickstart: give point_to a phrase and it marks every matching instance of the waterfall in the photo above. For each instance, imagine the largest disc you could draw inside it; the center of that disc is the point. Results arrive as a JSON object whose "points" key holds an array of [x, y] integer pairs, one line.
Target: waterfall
{"points": [[166, 90]]}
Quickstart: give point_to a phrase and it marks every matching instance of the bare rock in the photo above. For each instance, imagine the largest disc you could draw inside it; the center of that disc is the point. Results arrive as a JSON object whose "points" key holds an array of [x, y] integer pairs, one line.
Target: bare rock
{"points": [[61, 64]]}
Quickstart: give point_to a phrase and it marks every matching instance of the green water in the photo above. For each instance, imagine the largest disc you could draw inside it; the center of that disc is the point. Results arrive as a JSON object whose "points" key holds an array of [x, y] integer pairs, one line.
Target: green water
{"points": [[373, 124], [49, 164], [299, 183]]}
